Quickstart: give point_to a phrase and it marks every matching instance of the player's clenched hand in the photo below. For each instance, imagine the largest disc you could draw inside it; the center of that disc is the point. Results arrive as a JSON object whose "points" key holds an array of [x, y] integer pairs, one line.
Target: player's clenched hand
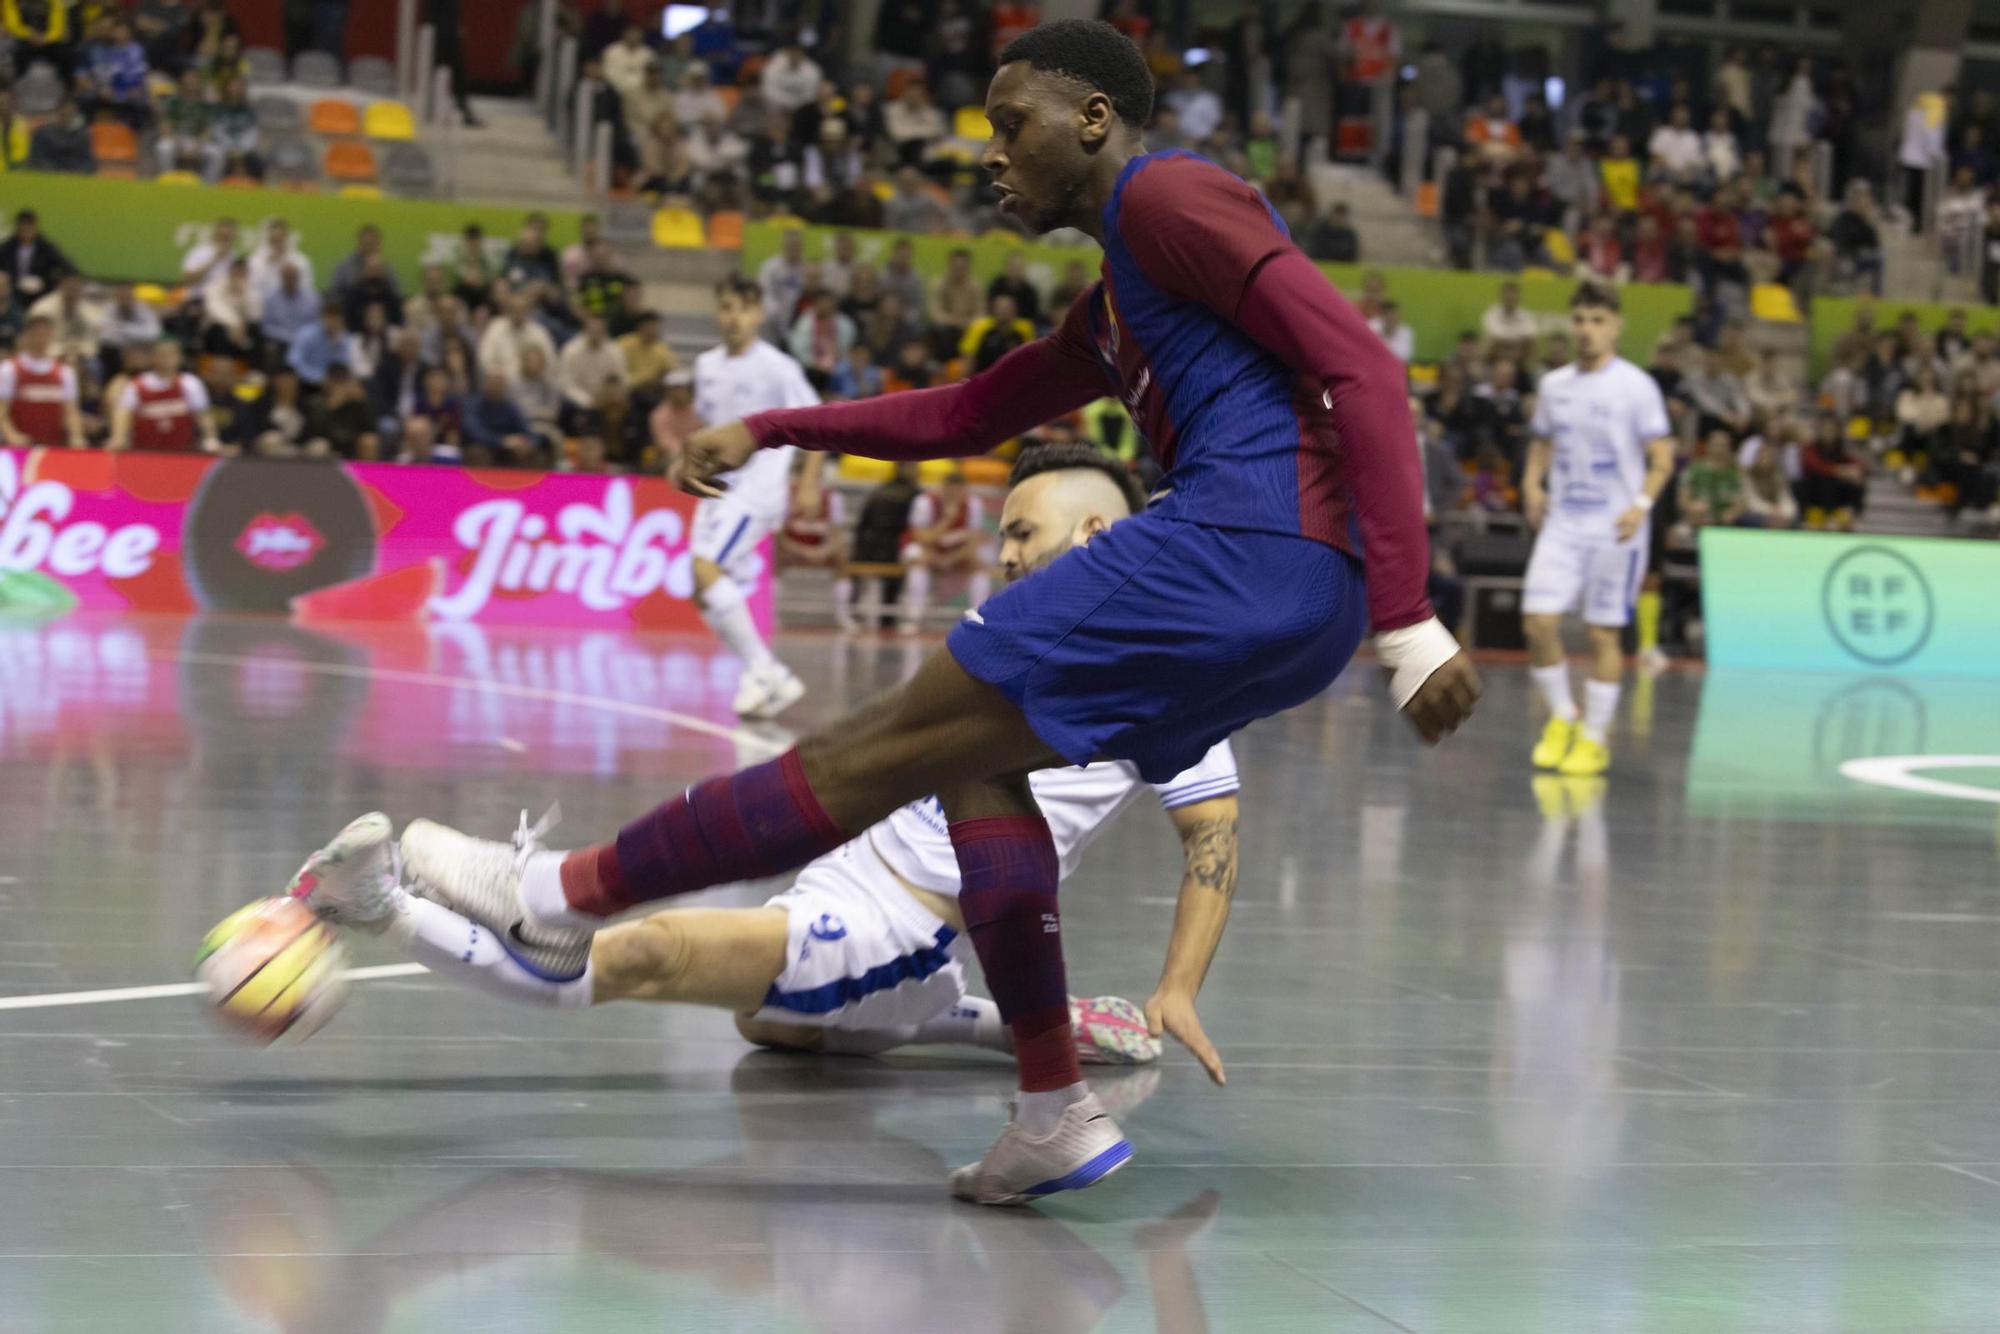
{"points": [[709, 453], [1172, 1012], [1445, 699], [1629, 521]]}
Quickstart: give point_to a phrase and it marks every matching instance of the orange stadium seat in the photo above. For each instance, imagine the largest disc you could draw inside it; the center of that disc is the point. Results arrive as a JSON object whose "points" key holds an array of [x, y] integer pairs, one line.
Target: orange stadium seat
{"points": [[730, 95], [113, 141], [349, 161], [725, 230], [334, 116]]}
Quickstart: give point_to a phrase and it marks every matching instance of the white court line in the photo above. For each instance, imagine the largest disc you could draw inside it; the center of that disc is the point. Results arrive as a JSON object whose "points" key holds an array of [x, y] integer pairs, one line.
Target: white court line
{"points": [[1901, 772], [692, 724], [63, 998]]}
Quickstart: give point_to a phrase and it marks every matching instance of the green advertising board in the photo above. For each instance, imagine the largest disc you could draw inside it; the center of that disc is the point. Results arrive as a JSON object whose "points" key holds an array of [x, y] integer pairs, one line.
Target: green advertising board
{"points": [[1833, 317], [1437, 304], [139, 230], [1829, 602]]}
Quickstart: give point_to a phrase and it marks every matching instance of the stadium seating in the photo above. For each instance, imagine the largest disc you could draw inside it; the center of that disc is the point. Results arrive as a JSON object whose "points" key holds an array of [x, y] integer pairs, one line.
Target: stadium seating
{"points": [[38, 92], [334, 117], [971, 123], [278, 115], [289, 159], [266, 65], [407, 169], [372, 74], [316, 69], [725, 231], [678, 229], [177, 178], [388, 120], [113, 141], [348, 160], [360, 192]]}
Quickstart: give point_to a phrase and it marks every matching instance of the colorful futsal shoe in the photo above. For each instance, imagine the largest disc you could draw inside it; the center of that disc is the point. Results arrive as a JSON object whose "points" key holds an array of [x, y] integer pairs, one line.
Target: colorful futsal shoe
{"points": [[1555, 743], [1586, 758], [1111, 1030], [352, 881], [481, 879], [1085, 1147]]}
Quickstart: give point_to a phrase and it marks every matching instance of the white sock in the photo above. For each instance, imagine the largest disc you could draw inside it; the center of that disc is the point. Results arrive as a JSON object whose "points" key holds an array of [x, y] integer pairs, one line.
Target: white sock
{"points": [[1600, 706], [1037, 1113], [1554, 682], [466, 952], [978, 587], [723, 607], [916, 594], [542, 893]]}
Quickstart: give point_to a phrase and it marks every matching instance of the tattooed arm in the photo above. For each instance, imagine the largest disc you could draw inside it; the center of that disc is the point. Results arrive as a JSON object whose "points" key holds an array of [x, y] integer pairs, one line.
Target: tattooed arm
{"points": [[1208, 846]]}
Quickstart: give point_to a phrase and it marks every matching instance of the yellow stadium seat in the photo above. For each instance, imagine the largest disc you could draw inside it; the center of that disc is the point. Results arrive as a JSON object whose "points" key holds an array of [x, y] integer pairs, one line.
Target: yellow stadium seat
{"points": [[971, 123], [678, 229], [884, 191], [1423, 374], [177, 178], [1857, 428], [152, 294], [388, 120], [334, 116], [854, 468], [1556, 241], [1534, 271], [361, 192], [1773, 301], [985, 471]]}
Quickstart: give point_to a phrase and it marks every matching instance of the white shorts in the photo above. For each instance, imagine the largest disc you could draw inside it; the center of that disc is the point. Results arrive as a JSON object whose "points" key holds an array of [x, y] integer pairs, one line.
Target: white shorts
{"points": [[728, 533], [1576, 572], [860, 951]]}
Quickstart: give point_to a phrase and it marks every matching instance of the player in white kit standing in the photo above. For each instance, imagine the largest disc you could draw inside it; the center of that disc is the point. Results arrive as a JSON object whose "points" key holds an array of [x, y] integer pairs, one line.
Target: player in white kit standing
{"points": [[745, 374], [1602, 452]]}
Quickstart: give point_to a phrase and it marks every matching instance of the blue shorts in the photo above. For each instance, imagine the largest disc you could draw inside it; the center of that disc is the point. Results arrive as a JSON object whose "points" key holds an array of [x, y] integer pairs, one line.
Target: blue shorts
{"points": [[1162, 637]]}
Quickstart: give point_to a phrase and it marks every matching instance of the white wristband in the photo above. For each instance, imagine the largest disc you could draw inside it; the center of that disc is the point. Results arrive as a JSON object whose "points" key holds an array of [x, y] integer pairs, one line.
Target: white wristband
{"points": [[1412, 653], [1644, 502]]}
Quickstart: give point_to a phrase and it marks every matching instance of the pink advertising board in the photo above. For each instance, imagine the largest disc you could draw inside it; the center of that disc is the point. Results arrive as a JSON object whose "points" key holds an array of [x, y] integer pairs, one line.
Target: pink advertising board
{"points": [[321, 542]]}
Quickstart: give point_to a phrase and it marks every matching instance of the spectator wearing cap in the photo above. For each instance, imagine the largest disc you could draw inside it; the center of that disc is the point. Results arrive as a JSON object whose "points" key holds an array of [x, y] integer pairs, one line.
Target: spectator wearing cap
{"points": [[34, 263]]}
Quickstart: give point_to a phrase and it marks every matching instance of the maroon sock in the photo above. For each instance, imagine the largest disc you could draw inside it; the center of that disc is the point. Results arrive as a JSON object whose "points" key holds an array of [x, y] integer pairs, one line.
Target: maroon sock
{"points": [[745, 826], [1008, 872]]}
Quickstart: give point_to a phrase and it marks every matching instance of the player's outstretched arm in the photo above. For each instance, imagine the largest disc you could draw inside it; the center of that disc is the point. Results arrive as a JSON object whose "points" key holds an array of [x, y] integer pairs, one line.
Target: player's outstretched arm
{"points": [[1208, 888], [1032, 384]]}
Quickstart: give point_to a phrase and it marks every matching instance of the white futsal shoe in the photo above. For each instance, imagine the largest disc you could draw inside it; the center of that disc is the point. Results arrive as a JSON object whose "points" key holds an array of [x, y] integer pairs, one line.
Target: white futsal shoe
{"points": [[766, 693], [481, 879], [353, 880], [1085, 1147], [1111, 1030]]}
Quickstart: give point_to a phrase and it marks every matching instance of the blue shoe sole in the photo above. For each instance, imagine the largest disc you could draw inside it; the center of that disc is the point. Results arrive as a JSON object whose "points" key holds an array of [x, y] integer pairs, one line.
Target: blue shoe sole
{"points": [[1092, 1172]]}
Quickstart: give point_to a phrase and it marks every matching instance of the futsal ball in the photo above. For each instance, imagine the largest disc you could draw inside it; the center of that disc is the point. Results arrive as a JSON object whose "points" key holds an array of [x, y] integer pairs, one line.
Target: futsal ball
{"points": [[272, 970]]}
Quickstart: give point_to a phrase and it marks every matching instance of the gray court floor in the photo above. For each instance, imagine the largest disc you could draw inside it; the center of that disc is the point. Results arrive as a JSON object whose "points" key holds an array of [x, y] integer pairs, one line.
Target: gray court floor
{"points": [[1708, 1046]]}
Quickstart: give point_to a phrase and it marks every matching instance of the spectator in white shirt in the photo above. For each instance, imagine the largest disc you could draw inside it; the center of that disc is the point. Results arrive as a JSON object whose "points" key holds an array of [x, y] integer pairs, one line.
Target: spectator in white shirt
{"points": [[1389, 327], [78, 320], [280, 248], [592, 377], [791, 79], [697, 101], [127, 322], [1505, 325], [626, 61], [1676, 149], [207, 264], [508, 337], [783, 280], [1199, 109], [914, 123], [718, 153]]}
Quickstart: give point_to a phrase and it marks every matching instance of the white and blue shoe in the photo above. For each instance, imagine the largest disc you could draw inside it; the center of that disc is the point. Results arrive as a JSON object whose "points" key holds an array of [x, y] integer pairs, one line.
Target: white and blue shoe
{"points": [[1085, 1147], [353, 881]]}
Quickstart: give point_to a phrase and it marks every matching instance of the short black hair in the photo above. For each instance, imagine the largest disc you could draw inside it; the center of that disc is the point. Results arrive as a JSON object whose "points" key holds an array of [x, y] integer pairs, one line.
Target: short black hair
{"points": [[740, 285], [1094, 54], [1599, 295], [1038, 459]]}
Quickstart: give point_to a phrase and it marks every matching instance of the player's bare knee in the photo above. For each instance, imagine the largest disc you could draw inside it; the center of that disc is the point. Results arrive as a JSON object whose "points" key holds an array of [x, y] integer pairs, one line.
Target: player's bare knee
{"points": [[706, 572], [640, 958]]}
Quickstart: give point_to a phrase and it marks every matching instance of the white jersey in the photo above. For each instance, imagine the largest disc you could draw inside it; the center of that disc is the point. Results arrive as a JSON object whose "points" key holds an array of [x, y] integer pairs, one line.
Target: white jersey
{"points": [[915, 842], [727, 388], [1598, 424]]}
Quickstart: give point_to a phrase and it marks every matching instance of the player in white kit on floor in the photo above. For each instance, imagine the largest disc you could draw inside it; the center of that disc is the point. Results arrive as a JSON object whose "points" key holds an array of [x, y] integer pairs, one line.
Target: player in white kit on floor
{"points": [[864, 951], [745, 374], [1602, 452]]}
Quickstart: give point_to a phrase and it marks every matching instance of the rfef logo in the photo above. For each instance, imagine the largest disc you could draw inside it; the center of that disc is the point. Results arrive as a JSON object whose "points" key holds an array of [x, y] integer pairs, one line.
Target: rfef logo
{"points": [[279, 541], [1878, 606]]}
